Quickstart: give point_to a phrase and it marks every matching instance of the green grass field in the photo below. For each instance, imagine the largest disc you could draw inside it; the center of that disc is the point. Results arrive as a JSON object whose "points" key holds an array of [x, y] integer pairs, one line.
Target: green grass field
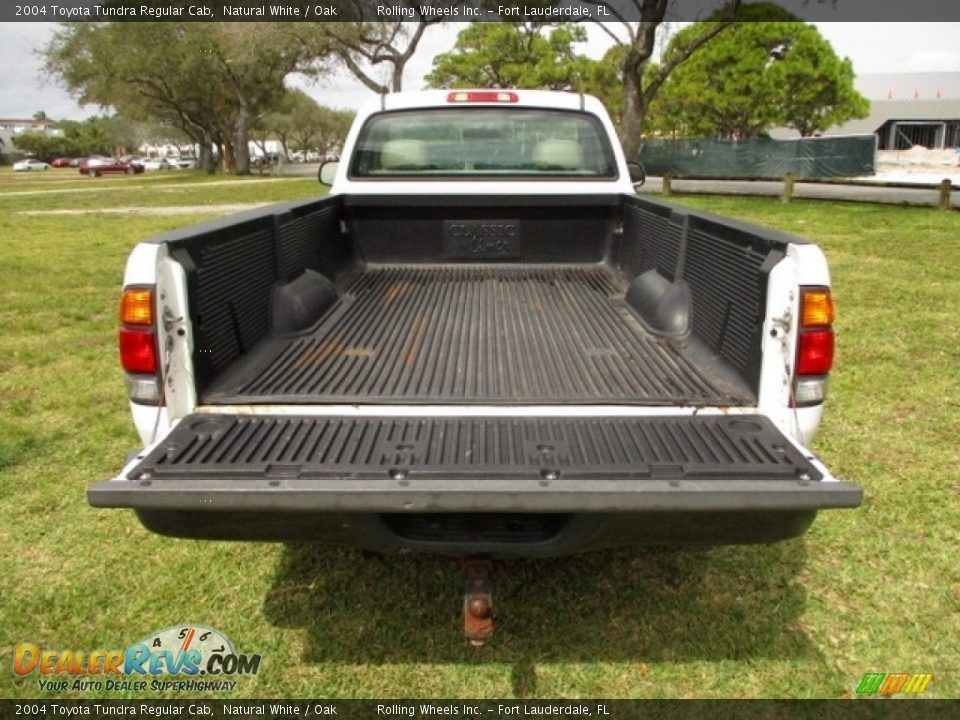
{"points": [[875, 589]]}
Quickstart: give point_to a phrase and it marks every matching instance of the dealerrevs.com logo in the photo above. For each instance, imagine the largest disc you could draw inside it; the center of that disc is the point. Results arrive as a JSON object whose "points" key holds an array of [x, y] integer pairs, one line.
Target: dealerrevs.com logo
{"points": [[186, 652]]}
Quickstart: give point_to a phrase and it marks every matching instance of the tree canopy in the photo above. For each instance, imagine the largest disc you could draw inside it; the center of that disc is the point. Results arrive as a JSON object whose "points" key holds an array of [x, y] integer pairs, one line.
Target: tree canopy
{"points": [[217, 81], [526, 55], [103, 135], [363, 46], [211, 80], [517, 55], [299, 123], [756, 76]]}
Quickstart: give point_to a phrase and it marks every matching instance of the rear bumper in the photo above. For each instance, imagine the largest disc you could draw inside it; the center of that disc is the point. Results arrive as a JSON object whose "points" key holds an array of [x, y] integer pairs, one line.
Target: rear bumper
{"points": [[486, 534], [500, 518], [473, 495]]}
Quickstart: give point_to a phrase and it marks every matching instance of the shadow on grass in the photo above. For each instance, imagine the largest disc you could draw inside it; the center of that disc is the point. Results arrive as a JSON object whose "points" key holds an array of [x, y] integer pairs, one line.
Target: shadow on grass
{"points": [[641, 605]]}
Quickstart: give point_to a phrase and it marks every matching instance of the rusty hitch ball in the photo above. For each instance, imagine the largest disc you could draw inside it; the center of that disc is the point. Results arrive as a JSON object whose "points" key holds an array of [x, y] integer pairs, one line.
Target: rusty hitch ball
{"points": [[479, 607], [477, 601]]}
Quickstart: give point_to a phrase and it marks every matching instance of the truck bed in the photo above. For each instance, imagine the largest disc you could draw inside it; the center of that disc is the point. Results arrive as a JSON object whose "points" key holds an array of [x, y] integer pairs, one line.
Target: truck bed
{"points": [[489, 333], [591, 301]]}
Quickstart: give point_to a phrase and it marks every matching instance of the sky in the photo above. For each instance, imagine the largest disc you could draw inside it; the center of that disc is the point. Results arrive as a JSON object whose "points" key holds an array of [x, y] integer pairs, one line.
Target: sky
{"points": [[873, 48]]}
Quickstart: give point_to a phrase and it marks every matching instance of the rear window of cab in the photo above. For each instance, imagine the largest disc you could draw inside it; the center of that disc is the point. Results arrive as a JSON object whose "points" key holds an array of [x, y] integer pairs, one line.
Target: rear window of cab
{"points": [[483, 142]]}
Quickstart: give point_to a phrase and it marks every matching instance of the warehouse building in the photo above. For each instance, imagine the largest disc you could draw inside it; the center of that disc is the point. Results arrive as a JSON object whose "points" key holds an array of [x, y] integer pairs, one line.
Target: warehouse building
{"points": [[909, 110]]}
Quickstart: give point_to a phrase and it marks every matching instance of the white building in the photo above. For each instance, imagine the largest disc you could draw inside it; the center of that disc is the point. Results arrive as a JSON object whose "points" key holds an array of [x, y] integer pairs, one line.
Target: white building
{"points": [[908, 110], [11, 127]]}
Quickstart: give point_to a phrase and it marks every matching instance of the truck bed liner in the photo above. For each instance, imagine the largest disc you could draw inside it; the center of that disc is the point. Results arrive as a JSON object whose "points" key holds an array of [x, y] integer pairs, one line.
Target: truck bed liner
{"points": [[499, 334]]}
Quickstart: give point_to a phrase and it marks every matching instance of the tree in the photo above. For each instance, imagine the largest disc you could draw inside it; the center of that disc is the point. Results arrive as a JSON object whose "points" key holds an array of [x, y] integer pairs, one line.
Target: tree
{"points": [[321, 129], [93, 136], [363, 46], [145, 70], [253, 60], [39, 145], [514, 55], [211, 80], [299, 122], [756, 76], [818, 89], [635, 43]]}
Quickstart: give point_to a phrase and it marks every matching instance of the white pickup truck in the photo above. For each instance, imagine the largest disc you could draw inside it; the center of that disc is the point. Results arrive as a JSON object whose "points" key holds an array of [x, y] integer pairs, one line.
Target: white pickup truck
{"points": [[481, 342]]}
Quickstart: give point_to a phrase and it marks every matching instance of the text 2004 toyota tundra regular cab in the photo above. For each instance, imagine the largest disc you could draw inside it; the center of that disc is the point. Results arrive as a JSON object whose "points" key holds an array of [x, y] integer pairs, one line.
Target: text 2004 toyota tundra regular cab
{"points": [[482, 341]]}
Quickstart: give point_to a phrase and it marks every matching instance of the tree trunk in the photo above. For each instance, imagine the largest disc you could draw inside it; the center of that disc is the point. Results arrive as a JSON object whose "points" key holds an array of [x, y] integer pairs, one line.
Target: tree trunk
{"points": [[226, 156], [397, 79], [241, 144], [634, 111], [634, 106], [207, 161]]}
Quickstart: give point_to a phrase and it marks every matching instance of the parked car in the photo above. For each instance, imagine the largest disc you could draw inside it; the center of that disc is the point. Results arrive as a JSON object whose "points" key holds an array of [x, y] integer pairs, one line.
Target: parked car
{"points": [[30, 164], [75, 162], [95, 167], [132, 159], [268, 159], [61, 162], [160, 164]]}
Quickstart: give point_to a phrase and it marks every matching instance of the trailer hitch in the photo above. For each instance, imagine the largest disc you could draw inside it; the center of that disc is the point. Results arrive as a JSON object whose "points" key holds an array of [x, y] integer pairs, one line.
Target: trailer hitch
{"points": [[477, 600]]}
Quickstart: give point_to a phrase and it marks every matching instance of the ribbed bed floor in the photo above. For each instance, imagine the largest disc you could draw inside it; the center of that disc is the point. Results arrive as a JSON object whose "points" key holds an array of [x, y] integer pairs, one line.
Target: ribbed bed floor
{"points": [[499, 334]]}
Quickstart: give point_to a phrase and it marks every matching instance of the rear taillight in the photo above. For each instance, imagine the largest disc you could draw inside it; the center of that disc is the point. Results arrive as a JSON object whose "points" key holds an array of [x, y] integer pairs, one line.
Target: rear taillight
{"points": [[138, 351], [482, 96], [138, 345], [815, 346], [814, 352]]}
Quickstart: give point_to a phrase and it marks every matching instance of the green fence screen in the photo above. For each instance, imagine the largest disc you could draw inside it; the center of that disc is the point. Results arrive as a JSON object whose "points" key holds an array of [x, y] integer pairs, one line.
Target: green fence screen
{"points": [[824, 157]]}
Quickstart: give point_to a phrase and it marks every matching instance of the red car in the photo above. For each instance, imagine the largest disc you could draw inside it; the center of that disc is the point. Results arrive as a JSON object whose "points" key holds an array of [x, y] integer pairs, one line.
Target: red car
{"points": [[61, 162], [96, 166]]}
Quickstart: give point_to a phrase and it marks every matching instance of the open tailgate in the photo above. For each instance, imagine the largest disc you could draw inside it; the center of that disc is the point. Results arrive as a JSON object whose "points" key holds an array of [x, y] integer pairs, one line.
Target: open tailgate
{"points": [[392, 464]]}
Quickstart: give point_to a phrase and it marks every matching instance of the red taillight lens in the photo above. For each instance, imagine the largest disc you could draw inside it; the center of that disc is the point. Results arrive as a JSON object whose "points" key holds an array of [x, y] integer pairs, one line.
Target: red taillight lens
{"points": [[814, 352], [488, 96], [138, 351]]}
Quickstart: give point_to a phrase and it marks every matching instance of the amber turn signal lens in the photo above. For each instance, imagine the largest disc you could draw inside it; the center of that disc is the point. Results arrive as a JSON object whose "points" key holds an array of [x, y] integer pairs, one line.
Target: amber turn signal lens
{"points": [[816, 308], [136, 307]]}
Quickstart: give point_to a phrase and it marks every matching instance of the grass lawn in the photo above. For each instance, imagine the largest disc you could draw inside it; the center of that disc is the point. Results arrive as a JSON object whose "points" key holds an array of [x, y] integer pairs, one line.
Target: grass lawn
{"points": [[876, 589]]}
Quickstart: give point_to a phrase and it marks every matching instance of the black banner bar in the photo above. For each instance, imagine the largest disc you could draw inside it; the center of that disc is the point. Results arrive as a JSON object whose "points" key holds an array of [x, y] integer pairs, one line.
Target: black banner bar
{"points": [[300, 709], [457, 10]]}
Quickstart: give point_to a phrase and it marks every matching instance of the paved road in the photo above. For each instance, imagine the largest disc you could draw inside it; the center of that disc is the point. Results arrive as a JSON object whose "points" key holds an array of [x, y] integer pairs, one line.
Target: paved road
{"points": [[819, 191], [301, 169]]}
